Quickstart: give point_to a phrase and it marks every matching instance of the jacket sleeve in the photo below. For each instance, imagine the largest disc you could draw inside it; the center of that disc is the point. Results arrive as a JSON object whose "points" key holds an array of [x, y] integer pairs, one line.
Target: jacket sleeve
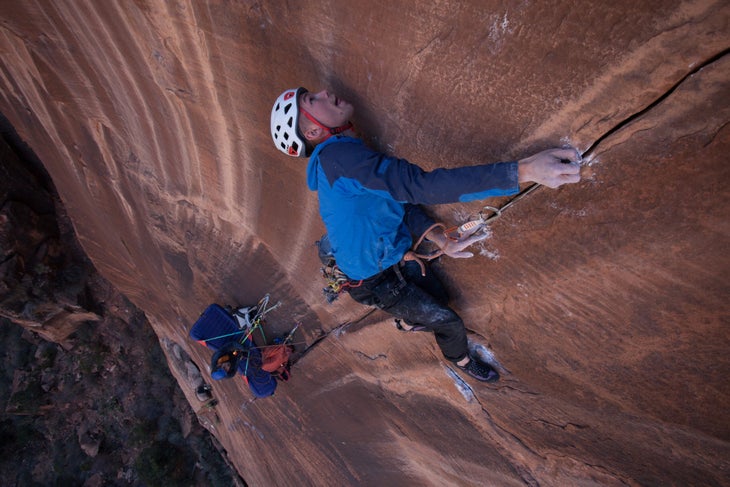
{"points": [[408, 183], [417, 220]]}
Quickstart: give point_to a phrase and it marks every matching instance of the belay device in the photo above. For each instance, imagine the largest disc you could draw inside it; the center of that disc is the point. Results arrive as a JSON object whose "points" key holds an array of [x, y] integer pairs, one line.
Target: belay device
{"points": [[229, 334]]}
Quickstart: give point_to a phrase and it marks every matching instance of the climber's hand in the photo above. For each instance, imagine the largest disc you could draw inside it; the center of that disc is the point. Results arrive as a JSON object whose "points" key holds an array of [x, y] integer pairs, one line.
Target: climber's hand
{"points": [[552, 167], [454, 248]]}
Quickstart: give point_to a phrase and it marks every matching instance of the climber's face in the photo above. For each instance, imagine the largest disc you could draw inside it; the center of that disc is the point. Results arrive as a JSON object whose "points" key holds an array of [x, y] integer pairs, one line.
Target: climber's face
{"points": [[326, 108]]}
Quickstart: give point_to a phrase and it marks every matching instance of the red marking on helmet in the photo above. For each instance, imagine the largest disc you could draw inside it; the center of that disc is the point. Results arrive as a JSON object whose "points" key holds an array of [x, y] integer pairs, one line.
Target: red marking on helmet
{"points": [[292, 151], [289, 94]]}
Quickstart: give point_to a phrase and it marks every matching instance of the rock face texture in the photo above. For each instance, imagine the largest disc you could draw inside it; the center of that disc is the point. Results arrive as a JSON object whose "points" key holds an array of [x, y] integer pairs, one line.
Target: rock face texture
{"points": [[604, 303]]}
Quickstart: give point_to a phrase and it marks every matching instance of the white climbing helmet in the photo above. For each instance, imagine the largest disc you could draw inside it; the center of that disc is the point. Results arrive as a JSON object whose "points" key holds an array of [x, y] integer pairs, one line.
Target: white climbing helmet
{"points": [[285, 124]]}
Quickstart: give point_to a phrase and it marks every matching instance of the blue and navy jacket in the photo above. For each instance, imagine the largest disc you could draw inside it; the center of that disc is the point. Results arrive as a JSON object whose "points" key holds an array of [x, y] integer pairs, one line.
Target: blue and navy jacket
{"points": [[368, 200]]}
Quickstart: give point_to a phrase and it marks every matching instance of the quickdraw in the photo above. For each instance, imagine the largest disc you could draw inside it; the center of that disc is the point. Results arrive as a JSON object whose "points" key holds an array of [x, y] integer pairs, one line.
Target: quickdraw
{"points": [[288, 339], [466, 230], [337, 282], [471, 227], [485, 216]]}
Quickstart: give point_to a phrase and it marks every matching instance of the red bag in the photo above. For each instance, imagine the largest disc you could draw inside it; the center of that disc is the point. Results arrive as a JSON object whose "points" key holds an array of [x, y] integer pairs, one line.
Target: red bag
{"points": [[275, 360]]}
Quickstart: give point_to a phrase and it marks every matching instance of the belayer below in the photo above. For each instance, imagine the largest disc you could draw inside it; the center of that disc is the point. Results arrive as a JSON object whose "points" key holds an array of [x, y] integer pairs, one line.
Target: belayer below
{"points": [[228, 333], [369, 203]]}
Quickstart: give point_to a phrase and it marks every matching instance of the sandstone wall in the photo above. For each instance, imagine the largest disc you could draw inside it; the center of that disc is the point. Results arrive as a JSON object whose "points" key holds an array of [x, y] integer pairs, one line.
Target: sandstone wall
{"points": [[605, 303]]}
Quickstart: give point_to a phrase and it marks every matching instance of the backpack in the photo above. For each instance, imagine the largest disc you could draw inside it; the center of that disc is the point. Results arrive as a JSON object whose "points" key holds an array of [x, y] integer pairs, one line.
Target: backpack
{"points": [[275, 360], [217, 329]]}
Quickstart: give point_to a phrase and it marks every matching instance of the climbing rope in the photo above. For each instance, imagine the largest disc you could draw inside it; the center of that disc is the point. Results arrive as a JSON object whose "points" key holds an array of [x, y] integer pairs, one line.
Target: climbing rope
{"points": [[460, 232]]}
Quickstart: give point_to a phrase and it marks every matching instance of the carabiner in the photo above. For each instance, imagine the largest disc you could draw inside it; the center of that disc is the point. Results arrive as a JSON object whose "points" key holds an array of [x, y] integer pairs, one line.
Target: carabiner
{"points": [[496, 213]]}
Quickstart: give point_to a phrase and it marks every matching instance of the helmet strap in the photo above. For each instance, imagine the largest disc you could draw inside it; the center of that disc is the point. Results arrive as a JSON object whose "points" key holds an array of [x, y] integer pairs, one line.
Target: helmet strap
{"points": [[328, 130]]}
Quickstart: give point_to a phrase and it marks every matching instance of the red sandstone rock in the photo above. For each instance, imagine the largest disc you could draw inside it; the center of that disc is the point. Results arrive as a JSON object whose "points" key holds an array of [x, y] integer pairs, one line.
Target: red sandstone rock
{"points": [[605, 303]]}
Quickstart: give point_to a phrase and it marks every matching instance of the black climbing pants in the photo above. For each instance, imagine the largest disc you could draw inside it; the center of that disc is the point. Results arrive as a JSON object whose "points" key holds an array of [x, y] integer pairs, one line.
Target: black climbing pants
{"points": [[419, 301]]}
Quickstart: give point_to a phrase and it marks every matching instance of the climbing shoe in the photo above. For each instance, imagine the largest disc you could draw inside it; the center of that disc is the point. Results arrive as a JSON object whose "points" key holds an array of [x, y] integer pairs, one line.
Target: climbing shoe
{"points": [[203, 392], [480, 370]]}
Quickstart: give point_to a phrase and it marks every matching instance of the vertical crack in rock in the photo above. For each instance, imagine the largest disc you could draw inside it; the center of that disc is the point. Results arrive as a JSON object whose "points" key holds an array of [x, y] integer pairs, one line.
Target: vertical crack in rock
{"points": [[623, 123], [337, 331], [588, 153], [568, 426], [512, 448], [712, 139], [506, 442], [593, 466]]}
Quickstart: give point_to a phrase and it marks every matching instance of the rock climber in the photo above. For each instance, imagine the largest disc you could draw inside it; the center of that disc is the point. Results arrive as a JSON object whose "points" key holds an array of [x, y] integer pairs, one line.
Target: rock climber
{"points": [[370, 205]]}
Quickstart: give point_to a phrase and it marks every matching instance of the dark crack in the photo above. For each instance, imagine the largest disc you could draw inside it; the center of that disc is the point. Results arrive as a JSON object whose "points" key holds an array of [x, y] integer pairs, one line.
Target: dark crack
{"points": [[336, 331], [506, 440], [522, 471], [376, 357], [566, 426], [516, 389], [594, 466], [712, 139], [623, 123]]}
